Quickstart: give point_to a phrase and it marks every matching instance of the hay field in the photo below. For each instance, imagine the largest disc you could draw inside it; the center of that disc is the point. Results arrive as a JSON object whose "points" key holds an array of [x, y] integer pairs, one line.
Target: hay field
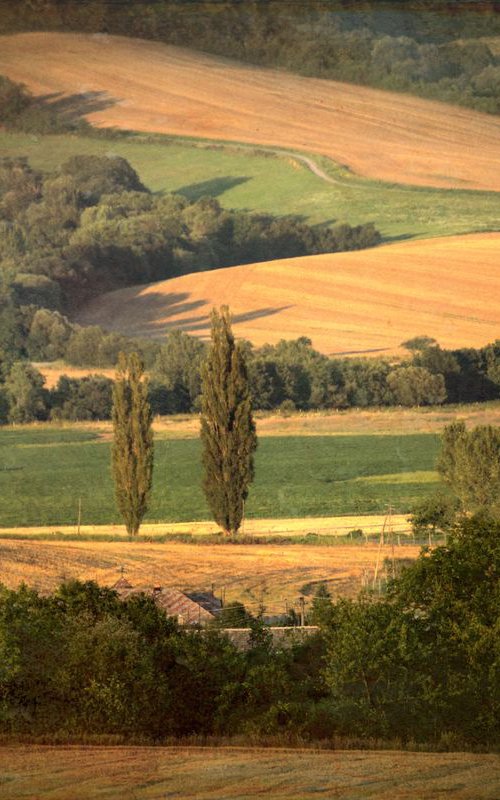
{"points": [[274, 574], [364, 302], [141, 85], [352, 421], [146, 773]]}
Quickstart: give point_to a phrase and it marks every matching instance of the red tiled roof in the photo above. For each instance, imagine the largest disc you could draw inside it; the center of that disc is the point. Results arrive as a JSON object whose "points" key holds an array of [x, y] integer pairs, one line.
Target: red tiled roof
{"points": [[172, 601]]}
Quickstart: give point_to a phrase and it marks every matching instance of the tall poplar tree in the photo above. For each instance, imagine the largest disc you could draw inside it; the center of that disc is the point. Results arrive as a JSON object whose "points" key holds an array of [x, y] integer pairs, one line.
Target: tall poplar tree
{"points": [[132, 451], [227, 427]]}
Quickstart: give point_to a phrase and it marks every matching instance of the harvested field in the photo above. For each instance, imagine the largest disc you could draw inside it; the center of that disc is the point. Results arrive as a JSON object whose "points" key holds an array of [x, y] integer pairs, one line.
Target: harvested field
{"points": [[141, 85], [292, 527], [365, 302], [90, 773], [274, 574]]}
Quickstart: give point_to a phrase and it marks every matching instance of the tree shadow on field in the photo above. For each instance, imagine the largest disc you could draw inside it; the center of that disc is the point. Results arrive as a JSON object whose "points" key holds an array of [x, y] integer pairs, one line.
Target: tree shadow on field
{"points": [[74, 107], [160, 313], [344, 353], [400, 237], [213, 187]]}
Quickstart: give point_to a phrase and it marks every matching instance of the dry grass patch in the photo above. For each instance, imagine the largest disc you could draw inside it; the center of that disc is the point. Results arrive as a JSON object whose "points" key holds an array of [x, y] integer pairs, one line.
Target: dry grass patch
{"points": [[161, 88], [53, 370], [391, 420], [364, 302], [144, 773], [363, 421]]}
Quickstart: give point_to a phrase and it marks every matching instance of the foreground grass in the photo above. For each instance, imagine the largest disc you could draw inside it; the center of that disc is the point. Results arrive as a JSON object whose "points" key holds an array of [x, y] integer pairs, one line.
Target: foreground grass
{"points": [[251, 179], [46, 471], [143, 773]]}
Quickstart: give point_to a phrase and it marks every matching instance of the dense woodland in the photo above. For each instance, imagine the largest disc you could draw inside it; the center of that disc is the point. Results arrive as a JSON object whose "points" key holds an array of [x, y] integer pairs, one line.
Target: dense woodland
{"points": [[431, 48], [419, 665]]}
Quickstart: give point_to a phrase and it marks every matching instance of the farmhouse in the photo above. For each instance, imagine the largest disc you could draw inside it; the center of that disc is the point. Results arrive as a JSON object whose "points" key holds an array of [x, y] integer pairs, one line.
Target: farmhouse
{"points": [[193, 608]]}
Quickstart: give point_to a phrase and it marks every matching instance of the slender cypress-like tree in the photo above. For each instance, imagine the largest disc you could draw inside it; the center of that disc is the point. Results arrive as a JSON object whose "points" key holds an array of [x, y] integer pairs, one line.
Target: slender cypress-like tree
{"points": [[132, 451], [227, 427]]}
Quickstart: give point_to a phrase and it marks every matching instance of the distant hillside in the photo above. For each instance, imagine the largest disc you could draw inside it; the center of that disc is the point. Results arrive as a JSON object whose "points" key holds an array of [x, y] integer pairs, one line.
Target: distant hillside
{"points": [[365, 302], [141, 85]]}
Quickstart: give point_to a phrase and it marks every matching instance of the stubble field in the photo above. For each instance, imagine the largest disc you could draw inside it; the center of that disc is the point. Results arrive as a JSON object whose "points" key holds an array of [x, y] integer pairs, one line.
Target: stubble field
{"points": [[272, 575], [99, 773], [365, 302], [140, 85]]}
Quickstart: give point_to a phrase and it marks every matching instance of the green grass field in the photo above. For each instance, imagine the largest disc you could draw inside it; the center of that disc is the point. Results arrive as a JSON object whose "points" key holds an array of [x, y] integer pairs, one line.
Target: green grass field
{"points": [[245, 178], [44, 471]]}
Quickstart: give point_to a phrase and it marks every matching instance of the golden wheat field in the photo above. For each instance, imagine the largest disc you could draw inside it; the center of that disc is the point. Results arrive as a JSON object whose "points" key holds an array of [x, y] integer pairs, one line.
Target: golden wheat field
{"points": [[146, 773], [154, 87], [272, 574], [366, 302]]}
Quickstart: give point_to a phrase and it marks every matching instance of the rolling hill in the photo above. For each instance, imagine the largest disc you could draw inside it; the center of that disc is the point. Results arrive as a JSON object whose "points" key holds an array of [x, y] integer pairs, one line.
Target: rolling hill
{"points": [[136, 84], [365, 302]]}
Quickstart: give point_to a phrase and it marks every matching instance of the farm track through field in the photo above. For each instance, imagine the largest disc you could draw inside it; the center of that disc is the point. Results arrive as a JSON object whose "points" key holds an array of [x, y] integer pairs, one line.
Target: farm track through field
{"points": [[143, 85]]}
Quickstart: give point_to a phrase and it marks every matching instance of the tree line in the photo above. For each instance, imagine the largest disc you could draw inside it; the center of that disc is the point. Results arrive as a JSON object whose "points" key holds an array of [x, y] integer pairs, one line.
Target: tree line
{"points": [[286, 377], [431, 49], [418, 665]]}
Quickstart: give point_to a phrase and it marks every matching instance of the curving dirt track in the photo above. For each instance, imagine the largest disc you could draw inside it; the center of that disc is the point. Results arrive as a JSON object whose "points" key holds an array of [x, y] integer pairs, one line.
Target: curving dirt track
{"points": [[365, 302], [131, 83]]}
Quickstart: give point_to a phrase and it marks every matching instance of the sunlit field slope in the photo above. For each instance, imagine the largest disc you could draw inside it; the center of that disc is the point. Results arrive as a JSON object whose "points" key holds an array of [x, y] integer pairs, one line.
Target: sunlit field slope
{"points": [[140, 85], [145, 773], [365, 302]]}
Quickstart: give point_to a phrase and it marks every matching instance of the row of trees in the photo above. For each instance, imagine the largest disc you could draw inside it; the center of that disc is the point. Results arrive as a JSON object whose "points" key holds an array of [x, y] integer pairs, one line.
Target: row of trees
{"points": [[419, 665], [431, 49]]}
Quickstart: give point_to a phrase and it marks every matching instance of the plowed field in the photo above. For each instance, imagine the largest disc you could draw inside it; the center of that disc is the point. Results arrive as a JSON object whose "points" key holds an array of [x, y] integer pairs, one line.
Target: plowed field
{"points": [[365, 302], [140, 85]]}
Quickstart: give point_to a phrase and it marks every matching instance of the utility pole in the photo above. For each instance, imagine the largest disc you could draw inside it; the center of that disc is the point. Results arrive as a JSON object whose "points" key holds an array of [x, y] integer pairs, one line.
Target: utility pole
{"points": [[79, 515], [392, 543], [302, 604]]}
